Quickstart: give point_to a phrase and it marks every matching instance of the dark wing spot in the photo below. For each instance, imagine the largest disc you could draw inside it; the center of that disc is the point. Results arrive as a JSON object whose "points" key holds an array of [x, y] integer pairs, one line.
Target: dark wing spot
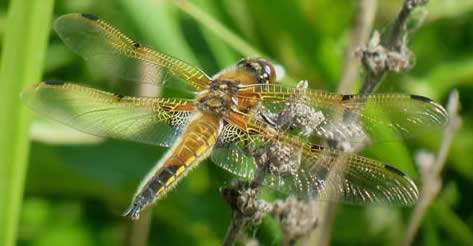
{"points": [[90, 16], [316, 147], [394, 170], [421, 98], [54, 82], [119, 96], [136, 44], [253, 132], [347, 97]]}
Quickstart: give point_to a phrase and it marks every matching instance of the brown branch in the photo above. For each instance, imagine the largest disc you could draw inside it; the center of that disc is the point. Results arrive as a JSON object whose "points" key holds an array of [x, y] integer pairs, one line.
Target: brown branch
{"points": [[246, 208], [138, 230], [391, 55], [296, 218], [276, 159], [431, 168], [365, 14]]}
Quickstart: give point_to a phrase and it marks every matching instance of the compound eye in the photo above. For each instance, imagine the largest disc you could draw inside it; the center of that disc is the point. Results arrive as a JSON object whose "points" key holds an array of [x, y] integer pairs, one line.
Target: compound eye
{"points": [[245, 62], [263, 70], [269, 71]]}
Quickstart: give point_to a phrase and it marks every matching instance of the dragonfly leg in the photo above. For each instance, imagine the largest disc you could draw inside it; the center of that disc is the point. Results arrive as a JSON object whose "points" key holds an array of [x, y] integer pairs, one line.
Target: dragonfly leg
{"points": [[267, 117]]}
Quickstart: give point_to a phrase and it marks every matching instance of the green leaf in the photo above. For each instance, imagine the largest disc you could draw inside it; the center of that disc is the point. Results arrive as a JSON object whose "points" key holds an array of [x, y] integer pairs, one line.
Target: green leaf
{"points": [[451, 223], [448, 9]]}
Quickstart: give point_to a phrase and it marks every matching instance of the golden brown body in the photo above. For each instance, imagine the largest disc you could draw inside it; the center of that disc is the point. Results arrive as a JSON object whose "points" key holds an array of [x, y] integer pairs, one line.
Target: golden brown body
{"points": [[195, 144], [213, 105]]}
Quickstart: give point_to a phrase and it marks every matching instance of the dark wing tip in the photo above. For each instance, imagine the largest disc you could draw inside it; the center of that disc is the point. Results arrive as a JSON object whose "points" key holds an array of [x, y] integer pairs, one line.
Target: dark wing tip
{"points": [[395, 170], [413, 194], [441, 113], [54, 82], [421, 98], [90, 16], [439, 110], [316, 147], [347, 97]]}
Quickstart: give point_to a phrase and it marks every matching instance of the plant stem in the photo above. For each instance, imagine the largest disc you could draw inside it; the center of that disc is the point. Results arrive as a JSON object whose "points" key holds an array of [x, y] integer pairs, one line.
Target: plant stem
{"points": [[24, 47], [138, 230], [431, 171], [394, 42], [365, 13]]}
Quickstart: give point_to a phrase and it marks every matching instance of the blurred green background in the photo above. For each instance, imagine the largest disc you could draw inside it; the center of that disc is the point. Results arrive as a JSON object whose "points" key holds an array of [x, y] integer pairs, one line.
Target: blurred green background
{"points": [[77, 186]]}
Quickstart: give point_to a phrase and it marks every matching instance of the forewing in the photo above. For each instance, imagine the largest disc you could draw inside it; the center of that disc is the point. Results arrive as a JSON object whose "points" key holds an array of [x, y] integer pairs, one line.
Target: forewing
{"points": [[322, 173], [351, 117], [118, 55], [155, 121]]}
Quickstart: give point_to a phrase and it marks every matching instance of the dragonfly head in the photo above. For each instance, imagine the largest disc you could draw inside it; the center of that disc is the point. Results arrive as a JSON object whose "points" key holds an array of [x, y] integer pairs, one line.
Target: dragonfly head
{"points": [[262, 71]]}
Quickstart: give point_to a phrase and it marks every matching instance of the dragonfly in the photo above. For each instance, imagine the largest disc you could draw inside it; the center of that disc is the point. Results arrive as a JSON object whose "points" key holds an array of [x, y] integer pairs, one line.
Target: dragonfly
{"points": [[241, 118]]}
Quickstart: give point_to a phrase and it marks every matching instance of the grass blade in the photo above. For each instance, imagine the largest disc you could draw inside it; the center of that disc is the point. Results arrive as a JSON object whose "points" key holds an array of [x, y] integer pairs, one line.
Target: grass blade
{"points": [[227, 35], [24, 46]]}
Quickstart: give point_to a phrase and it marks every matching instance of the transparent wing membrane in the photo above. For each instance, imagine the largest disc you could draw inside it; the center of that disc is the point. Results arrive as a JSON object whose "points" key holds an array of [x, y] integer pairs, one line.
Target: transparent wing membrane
{"points": [[146, 120], [232, 151], [350, 117], [117, 55], [332, 175], [319, 172]]}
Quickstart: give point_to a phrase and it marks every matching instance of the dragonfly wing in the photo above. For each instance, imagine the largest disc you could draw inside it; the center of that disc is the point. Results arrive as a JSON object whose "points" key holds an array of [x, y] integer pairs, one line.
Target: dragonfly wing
{"points": [[120, 56], [331, 175], [232, 151], [350, 117], [317, 171], [157, 121]]}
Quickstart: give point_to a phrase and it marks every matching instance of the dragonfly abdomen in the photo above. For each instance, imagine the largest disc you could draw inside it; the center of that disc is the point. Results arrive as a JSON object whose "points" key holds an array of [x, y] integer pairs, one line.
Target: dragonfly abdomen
{"points": [[195, 144]]}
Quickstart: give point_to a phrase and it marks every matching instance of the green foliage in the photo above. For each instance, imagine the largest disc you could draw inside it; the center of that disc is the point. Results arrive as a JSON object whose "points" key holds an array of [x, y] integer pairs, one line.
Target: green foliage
{"points": [[24, 44], [75, 192]]}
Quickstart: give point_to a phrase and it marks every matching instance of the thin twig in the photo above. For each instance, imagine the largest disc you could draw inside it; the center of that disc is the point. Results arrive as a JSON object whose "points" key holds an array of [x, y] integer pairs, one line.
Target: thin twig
{"points": [[390, 55], [246, 208], [138, 230], [236, 225], [378, 58], [365, 13], [431, 168], [322, 235], [296, 217]]}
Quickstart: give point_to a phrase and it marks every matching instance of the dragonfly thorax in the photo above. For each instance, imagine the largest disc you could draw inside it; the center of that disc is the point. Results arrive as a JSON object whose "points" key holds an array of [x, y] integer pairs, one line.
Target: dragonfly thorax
{"points": [[219, 98]]}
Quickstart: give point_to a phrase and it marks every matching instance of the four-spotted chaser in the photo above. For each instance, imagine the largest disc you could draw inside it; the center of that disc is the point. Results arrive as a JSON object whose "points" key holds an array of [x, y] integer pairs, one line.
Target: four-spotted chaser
{"points": [[235, 117]]}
